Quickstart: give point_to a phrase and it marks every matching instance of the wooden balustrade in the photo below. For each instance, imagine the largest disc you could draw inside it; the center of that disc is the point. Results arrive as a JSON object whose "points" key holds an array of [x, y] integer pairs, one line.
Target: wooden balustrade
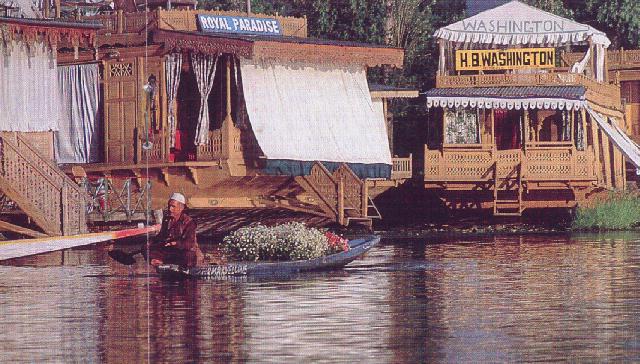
{"points": [[157, 151], [212, 148], [243, 142], [548, 163], [401, 167], [354, 189], [44, 192], [600, 93], [324, 185], [615, 59]]}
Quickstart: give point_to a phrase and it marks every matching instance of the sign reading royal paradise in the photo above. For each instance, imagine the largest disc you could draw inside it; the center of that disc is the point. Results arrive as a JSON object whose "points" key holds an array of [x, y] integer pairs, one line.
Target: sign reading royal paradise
{"points": [[501, 59], [239, 24]]}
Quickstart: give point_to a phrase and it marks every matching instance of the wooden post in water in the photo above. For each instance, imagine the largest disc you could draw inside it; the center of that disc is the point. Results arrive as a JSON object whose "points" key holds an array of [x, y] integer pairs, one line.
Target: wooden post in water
{"points": [[341, 201]]}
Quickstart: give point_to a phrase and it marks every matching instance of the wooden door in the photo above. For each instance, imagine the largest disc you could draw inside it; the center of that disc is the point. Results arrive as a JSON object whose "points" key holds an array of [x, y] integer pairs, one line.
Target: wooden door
{"points": [[120, 110]]}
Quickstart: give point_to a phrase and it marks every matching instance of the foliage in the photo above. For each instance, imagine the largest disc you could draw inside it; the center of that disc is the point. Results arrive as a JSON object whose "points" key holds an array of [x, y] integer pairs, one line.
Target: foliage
{"points": [[618, 212], [620, 19], [290, 241]]}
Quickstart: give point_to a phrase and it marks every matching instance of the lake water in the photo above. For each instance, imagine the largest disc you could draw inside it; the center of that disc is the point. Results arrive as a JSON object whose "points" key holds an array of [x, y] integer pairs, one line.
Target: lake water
{"points": [[480, 299]]}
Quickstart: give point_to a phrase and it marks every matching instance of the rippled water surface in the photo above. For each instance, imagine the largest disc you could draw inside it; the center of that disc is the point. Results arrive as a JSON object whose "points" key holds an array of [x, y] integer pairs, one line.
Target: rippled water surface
{"points": [[489, 299]]}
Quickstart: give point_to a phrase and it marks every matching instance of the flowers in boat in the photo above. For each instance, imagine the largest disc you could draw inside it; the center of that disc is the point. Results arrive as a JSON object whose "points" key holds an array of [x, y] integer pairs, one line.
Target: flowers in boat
{"points": [[290, 241], [336, 243]]}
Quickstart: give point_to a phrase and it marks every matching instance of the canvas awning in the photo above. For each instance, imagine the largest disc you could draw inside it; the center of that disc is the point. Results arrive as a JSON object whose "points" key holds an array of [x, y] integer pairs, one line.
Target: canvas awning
{"points": [[306, 112], [619, 138], [530, 97], [515, 23]]}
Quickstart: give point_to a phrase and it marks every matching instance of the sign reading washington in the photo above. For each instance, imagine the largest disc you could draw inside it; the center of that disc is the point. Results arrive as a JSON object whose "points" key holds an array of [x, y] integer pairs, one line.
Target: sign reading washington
{"points": [[502, 59], [239, 25]]}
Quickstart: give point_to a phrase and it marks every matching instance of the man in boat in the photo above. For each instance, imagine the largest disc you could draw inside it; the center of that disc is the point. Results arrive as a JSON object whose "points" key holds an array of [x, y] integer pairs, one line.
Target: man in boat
{"points": [[176, 243]]}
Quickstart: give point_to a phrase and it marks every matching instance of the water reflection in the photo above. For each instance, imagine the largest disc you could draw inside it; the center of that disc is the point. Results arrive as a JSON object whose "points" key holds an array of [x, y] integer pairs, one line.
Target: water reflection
{"points": [[489, 299]]}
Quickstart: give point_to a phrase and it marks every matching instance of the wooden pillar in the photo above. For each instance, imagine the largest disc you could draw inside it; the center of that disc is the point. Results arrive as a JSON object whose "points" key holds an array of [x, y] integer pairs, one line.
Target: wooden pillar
{"points": [[341, 201], [527, 126], [227, 124], [493, 129], [47, 8], [57, 3], [389, 122]]}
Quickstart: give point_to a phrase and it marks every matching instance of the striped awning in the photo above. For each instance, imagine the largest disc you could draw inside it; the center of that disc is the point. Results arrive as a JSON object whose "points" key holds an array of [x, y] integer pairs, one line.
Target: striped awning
{"points": [[529, 97]]}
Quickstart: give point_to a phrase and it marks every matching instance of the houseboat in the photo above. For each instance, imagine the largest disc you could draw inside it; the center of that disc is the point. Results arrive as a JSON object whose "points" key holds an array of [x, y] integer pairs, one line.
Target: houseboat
{"points": [[234, 110], [512, 126], [30, 182]]}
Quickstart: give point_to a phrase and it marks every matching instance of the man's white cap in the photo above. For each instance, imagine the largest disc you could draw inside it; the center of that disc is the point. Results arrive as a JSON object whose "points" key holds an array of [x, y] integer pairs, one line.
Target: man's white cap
{"points": [[178, 197]]}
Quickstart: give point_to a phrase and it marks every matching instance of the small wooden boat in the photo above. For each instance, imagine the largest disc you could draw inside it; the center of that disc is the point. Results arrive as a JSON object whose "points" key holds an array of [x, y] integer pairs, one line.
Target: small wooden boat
{"points": [[357, 247]]}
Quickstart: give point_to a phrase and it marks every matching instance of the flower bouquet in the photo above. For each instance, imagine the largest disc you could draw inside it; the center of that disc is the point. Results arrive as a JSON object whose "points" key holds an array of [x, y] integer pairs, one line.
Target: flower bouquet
{"points": [[290, 241]]}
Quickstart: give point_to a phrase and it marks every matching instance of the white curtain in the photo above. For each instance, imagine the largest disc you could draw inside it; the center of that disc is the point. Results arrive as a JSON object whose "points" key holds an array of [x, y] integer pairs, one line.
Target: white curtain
{"points": [[580, 66], [77, 140], [173, 65], [309, 112], [619, 138], [28, 87], [204, 67]]}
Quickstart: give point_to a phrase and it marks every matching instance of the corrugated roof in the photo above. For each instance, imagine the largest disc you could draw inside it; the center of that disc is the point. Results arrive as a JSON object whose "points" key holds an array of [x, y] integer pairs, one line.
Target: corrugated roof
{"points": [[511, 92]]}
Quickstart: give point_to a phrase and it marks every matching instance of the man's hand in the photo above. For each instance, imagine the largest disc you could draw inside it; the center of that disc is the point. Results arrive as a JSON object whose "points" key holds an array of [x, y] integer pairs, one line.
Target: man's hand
{"points": [[171, 243]]}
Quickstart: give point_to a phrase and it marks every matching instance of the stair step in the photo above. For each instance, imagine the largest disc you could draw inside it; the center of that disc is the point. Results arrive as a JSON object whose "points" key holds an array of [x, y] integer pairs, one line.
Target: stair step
{"points": [[507, 201], [507, 214]]}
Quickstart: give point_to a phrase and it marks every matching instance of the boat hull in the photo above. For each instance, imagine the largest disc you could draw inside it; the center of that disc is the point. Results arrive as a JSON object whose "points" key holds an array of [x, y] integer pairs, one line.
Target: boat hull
{"points": [[357, 248]]}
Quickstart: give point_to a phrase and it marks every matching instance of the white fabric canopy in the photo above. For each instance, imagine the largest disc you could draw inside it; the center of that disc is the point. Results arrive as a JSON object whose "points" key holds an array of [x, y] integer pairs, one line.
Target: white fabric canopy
{"points": [[309, 112], [502, 103], [516, 23], [77, 141], [627, 146], [28, 87]]}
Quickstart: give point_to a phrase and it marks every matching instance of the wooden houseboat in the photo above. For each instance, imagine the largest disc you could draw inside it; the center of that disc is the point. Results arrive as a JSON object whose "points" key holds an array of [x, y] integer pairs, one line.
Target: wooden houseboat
{"points": [[38, 196], [512, 127], [234, 110]]}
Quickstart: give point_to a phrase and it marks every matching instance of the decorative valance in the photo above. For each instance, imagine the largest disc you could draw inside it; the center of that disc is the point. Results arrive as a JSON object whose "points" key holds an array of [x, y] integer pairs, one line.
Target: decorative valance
{"points": [[515, 23], [528, 97], [282, 49], [509, 104], [203, 43], [52, 33]]}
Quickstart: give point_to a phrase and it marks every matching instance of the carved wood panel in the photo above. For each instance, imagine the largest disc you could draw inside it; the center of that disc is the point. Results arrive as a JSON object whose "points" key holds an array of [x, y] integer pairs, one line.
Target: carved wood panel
{"points": [[120, 110]]}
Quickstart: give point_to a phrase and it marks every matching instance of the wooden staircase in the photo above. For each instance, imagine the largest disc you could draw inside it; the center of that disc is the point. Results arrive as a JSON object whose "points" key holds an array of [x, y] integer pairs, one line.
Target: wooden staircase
{"points": [[343, 196], [507, 190], [50, 199]]}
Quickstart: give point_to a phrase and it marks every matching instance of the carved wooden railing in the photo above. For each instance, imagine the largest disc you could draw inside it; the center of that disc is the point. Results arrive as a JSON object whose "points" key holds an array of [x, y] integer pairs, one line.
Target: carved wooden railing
{"points": [[558, 164], [212, 148], [600, 93], [355, 191], [539, 163], [41, 190], [325, 186], [123, 23], [401, 167], [615, 59], [243, 142], [157, 151]]}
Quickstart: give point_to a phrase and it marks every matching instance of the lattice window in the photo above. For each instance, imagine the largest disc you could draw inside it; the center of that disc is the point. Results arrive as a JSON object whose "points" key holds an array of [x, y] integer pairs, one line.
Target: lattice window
{"points": [[121, 70]]}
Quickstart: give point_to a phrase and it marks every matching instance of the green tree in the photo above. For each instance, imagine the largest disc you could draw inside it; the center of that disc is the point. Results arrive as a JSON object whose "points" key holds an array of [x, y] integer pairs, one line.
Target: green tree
{"points": [[620, 19]]}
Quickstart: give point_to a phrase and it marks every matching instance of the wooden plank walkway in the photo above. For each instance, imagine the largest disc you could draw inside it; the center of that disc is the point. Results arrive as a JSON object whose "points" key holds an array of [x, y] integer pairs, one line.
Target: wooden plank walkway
{"points": [[24, 247]]}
